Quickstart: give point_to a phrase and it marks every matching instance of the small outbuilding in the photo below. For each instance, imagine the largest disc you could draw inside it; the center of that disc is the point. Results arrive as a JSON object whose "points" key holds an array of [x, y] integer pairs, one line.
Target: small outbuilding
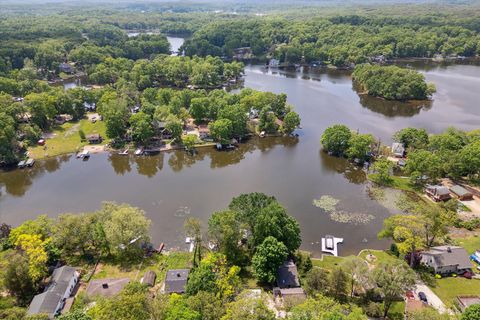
{"points": [[461, 193], [94, 138], [106, 287], [398, 149], [203, 132], [149, 278], [65, 67], [176, 280], [438, 193], [466, 301]]}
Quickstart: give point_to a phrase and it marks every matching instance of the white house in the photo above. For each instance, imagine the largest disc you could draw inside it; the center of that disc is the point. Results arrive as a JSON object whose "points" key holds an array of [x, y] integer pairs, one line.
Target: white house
{"points": [[398, 149], [447, 259], [60, 288]]}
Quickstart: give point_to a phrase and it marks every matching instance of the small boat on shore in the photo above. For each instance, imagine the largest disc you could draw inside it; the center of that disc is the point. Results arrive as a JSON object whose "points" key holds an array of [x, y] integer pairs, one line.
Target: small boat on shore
{"points": [[30, 162], [124, 152], [22, 164], [139, 152], [85, 154]]}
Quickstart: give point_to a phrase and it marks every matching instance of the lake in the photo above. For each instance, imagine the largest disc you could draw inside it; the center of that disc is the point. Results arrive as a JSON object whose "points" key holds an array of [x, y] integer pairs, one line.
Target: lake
{"points": [[172, 186]]}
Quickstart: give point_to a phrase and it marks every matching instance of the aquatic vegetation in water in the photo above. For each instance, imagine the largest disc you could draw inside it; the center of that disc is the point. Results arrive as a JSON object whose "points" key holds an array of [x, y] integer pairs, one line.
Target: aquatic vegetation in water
{"points": [[329, 204], [351, 217], [326, 202], [182, 212]]}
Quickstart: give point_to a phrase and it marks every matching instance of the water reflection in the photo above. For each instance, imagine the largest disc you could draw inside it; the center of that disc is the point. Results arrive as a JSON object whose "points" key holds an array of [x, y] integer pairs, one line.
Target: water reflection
{"points": [[351, 172], [393, 109]]}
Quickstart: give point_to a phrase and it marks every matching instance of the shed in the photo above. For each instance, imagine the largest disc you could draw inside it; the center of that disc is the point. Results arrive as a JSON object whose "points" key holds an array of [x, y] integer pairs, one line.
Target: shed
{"points": [[287, 275], [149, 278], [106, 287], [176, 280], [461, 193], [94, 138]]}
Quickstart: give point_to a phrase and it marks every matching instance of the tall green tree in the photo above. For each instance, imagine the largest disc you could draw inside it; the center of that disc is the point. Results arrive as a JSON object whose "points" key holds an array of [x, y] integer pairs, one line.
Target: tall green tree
{"points": [[336, 139], [270, 254]]}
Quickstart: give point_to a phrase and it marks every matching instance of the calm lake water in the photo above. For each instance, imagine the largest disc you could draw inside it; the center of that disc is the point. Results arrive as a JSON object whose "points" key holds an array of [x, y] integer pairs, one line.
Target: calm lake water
{"points": [[172, 186]]}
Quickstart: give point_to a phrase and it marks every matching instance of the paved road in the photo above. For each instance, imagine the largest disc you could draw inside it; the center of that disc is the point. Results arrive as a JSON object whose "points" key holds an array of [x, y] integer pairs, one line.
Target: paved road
{"points": [[432, 298]]}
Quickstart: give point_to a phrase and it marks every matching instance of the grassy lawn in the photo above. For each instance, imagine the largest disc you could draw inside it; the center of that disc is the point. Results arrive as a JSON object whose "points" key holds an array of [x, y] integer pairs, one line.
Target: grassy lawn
{"points": [[158, 263], [470, 244], [328, 262], [400, 183], [448, 289], [380, 255], [66, 138]]}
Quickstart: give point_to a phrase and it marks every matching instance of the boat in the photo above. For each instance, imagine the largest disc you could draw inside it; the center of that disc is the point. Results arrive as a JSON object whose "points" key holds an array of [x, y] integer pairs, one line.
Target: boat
{"points": [[124, 152], [329, 242], [262, 134], [85, 154], [30, 162], [22, 164], [139, 152]]}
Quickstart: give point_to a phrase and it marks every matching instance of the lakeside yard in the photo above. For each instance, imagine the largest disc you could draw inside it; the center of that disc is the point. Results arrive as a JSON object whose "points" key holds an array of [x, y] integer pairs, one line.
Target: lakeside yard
{"points": [[447, 289], [66, 138]]}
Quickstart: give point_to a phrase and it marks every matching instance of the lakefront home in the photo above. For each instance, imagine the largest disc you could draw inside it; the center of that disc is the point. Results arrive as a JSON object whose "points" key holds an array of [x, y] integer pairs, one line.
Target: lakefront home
{"points": [[59, 289], [288, 282], [398, 150], [438, 193], [447, 260], [94, 138]]}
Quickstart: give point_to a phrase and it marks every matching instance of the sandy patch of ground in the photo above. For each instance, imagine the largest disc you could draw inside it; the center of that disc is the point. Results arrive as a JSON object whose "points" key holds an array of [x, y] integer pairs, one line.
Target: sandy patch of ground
{"points": [[94, 148]]}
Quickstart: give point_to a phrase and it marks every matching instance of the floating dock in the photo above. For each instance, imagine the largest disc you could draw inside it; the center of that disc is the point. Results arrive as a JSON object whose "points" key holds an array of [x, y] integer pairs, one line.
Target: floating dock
{"points": [[330, 245]]}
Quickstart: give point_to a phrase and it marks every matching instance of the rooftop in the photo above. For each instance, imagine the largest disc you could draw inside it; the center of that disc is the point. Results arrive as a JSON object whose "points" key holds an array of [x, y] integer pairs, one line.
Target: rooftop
{"points": [[460, 191], [106, 287], [176, 280], [450, 256], [287, 275]]}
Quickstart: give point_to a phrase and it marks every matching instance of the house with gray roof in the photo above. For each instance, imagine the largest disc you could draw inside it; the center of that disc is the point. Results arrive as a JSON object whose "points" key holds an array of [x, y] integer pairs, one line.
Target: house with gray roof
{"points": [[176, 280], [288, 282], [447, 259], [59, 289], [398, 149], [106, 287]]}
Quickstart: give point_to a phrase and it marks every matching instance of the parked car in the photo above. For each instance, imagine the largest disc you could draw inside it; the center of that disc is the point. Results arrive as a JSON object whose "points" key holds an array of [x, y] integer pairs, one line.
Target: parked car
{"points": [[410, 295], [422, 296], [468, 274]]}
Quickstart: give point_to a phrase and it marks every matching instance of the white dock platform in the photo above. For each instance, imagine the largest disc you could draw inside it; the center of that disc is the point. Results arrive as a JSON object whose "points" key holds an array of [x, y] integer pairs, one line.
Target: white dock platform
{"points": [[333, 251]]}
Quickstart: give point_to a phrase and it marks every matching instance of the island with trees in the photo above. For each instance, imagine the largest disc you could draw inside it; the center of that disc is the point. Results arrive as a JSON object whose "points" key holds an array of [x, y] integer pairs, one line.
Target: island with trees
{"points": [[392, 82]]}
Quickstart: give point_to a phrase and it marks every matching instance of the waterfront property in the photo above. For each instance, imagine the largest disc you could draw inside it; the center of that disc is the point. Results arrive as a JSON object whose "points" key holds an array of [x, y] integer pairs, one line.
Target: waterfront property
{"points": [[398, 149], [176, 281], [288, 282], [438, 193], [59, 289], [106, 287], [447, 260], [94, 138]]}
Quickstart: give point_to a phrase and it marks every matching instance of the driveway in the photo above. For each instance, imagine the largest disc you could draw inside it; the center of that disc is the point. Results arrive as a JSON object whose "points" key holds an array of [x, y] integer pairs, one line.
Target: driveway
{"points": [[432, 298]]}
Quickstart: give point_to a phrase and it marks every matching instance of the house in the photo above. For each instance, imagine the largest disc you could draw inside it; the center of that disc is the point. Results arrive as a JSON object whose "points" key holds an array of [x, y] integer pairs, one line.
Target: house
{"points": [[159, 125], [438, 193], [65, 67], [274, 63], [106, 287], [94, 138], [447, 259], [149, 278], [176, 280], [59, 289], [398, 149], [288, 282], [242, 53], [461, 193], [466, 301], [203, 132]]}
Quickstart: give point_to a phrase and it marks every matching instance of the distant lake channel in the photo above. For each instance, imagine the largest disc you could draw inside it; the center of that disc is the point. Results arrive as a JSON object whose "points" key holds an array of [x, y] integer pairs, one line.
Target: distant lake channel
{"points": [[172, 186]]}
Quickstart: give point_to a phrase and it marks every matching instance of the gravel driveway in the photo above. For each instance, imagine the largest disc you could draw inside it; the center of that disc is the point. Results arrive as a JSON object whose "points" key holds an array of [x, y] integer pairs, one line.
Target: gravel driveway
{"points": [[432, 298]]}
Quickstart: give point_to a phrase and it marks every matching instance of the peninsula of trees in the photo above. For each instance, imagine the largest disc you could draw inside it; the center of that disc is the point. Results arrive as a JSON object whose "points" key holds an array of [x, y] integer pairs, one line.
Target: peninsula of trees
{"points": [[392, 82]]}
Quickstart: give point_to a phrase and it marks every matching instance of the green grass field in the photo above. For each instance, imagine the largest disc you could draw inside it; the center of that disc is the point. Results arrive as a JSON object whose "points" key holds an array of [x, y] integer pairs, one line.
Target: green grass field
{"points": [[159, 263], [448, 289], [401, 183], [470, 244], [66, 138]]}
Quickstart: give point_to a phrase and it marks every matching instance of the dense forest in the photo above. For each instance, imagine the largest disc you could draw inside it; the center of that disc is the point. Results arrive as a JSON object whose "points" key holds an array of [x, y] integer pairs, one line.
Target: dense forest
{"points": [[392, 82]]}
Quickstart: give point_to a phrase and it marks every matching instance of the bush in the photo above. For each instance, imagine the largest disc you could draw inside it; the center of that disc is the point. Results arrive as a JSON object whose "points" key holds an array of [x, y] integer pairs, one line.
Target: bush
{"points": [[394, 250], [373, 310]]}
